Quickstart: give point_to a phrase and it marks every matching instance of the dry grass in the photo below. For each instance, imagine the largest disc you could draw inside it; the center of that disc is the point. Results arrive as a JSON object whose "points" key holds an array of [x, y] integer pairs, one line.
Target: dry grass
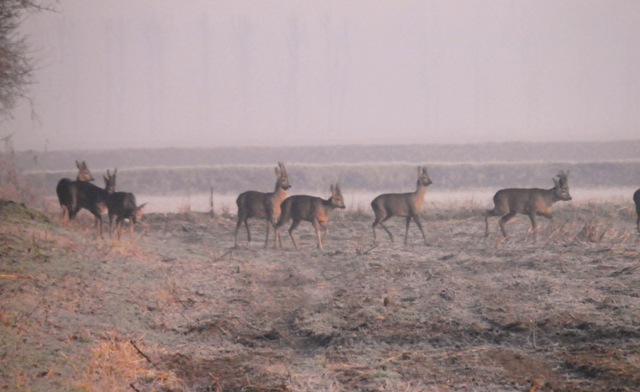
{"points": [[180, 310]]}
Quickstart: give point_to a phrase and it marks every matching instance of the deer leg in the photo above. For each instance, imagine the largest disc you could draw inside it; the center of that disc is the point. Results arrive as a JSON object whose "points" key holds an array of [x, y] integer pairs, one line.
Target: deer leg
{"points": [[534, 223], [110, 222], [277, 242], [316, 227], [238, 224], [487, 214], [65, 214], [504, 220], [376, 221], [546, 215], [246, 225], [325, 228], [99, 225], [380, 217], [638, 221], [266, 239], [119, 223], [291, 229], [406, 232], [385, 227], [419, 224]]}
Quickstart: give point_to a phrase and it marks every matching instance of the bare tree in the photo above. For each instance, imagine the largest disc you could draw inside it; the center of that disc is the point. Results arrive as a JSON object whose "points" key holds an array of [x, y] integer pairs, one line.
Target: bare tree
{"points": [[15, 64]]}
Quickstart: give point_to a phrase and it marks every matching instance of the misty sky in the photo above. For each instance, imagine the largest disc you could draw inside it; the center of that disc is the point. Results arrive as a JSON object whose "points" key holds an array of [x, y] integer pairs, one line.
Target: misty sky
{"points": [[202, 73]]}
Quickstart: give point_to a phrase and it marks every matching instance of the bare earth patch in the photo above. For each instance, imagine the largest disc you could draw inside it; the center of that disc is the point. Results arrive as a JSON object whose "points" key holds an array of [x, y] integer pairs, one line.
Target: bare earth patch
{"points": [[180, 310]]}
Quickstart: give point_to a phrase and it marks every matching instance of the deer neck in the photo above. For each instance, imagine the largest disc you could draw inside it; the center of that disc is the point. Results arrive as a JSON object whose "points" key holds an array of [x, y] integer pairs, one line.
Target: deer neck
{"points": [[421, 190], [279, 194], [550, 195]]}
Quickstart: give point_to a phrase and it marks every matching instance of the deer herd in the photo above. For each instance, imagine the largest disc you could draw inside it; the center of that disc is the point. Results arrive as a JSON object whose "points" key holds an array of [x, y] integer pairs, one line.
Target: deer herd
{"points": [[277, 209]]}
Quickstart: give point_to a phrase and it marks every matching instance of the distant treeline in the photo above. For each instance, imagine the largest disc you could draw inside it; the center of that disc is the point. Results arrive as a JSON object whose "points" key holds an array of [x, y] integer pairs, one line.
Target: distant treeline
{"points": [[579, 152], [374, 177]]}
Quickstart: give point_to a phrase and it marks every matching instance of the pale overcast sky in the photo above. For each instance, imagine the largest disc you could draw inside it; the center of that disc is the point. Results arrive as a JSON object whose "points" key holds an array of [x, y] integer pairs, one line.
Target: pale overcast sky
{"points": [[202, 73]]}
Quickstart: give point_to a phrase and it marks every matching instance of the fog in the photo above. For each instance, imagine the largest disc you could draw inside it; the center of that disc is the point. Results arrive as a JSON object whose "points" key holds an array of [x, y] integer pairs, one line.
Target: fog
{"points": [[147, 74]]}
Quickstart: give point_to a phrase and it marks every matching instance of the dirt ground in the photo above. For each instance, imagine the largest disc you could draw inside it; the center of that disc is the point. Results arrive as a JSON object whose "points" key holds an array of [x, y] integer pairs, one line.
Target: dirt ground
{"points": [[180, 310]]}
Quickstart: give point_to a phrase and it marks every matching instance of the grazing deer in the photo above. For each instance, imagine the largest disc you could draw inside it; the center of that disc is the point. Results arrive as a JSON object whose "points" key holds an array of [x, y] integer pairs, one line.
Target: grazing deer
{"points": [[532, 202], [636, 199], [121, 205], [253, 204], [311, 209], [63, 189], [407, 205]]}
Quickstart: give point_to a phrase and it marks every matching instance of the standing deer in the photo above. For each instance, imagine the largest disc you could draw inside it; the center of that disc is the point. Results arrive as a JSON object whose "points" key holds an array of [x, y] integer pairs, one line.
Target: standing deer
{"points": [[121, 205], [90, 197], [408, 205], [636, 199], [532, 202], [311, 209], [65, 185], [254, 204]]}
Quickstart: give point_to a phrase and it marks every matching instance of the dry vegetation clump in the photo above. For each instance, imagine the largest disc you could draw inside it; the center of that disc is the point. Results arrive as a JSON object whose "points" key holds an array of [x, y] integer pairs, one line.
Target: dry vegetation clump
{"points": [[181, 310]]}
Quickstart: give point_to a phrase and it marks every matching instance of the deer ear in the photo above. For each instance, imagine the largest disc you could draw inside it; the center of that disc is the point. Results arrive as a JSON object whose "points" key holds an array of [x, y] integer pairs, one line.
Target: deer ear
{"points": [[556, 182], [78, 165]]}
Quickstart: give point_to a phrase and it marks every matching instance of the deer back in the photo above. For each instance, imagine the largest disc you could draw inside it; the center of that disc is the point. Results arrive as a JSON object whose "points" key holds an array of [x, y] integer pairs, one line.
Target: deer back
{"points": [[532, 200], [65, 185], [299, 207], [90, 197], [122, 204]]}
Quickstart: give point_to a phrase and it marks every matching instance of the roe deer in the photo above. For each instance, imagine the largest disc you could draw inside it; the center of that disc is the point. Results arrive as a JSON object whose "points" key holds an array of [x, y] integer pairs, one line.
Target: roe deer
{"points": [[311, 209], [90, 197], [407, 205], [253, 204], [64, 192], [122, 205], [532, 202], [636, 199]]}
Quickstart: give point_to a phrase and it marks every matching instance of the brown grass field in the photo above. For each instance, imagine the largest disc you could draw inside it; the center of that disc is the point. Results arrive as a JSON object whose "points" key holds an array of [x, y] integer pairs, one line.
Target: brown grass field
{"points": [[180, 310]]}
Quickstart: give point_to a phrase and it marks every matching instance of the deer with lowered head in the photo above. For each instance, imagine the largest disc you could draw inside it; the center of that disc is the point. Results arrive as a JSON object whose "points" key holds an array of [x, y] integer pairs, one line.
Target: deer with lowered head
{"points": [[636, 200], [531, 202], [407, 205], [254, 204], [66, 188], [311, 209], [121, 205]]}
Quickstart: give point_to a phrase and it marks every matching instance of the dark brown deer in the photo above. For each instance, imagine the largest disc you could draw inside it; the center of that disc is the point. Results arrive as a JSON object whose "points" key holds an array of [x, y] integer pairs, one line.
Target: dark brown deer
{"points": [[531, 202], [254, 204], [408, 205], [311, 209], [91, 198], [65, 185], [121, 205], [636, 199]]}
